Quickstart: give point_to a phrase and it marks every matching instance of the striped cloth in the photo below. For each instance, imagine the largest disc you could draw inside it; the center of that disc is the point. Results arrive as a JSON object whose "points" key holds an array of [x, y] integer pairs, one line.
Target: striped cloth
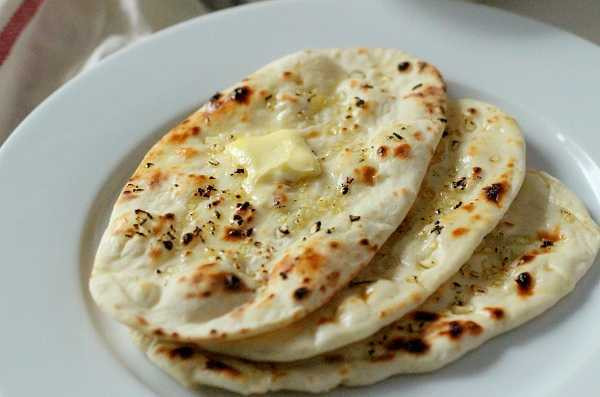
{"points": [[43, 43]]}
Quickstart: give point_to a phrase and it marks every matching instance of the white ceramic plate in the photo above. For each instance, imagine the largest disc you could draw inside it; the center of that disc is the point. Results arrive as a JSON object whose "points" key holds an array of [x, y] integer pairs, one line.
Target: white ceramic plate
{"points": [[62, 168]]}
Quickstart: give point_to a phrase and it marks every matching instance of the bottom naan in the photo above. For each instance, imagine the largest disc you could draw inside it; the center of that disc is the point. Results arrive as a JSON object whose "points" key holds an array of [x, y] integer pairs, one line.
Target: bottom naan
{"points": [[541, 248]]}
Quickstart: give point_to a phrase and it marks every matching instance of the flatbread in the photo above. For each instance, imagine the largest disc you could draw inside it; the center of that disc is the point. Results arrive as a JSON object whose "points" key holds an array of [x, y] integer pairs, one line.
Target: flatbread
{"points": [[257, 208], [536, 255], [476, 172]]}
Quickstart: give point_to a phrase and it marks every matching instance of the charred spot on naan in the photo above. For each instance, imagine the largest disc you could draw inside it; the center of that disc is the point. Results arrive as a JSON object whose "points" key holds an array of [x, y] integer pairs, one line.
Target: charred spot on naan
{"points": [[334, 244], [308, 266], [283, 267], [549, 237], [177, 353], [457, 328], [423, 91], [301, 293], [233, 234], [496, 313], [180, 134], [325, 320], [241, 223], [213, 364], [183, 352], [241, 95], [359, 102], [158, 332], [469, 207], [424, 67], [145, 225], [525, 284], [408, 345], [144, 179], [459, 231], [187, 152], [280, 198], [208, 280], [188, 352], [402, 151], [293, 77], [365, 243], [198, 295], [382, 151], [527, 257], [495, 192], [404, 67], [424, 316], [164, 223], [221, 105], [155, 253], [215, 98], [308, 262], [366, 174], [201, 181]]}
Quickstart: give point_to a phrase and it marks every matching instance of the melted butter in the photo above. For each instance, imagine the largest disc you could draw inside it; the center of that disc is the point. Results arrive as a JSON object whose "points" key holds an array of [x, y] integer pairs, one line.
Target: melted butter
{"points": [[280, 157]]}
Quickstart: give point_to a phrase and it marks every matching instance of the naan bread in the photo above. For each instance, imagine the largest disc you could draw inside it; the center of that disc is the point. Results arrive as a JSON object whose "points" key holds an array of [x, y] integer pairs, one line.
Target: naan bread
{"points": [[536, 255], [476, 172], [257, 208]]}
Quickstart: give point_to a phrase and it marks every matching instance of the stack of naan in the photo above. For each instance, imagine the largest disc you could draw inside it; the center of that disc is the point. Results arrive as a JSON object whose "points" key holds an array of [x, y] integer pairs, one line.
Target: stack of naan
{"points": [[334, 219]]}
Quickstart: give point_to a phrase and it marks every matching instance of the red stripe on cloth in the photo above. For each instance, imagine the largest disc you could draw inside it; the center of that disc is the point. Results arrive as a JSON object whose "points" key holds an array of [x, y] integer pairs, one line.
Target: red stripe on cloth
{"points": [[16, 25]]}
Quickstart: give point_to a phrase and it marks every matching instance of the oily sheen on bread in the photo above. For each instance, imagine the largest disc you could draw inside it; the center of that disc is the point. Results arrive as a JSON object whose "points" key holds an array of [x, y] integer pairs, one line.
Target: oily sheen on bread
{"points": [[534, 257], [259, 207], [475, 174]]}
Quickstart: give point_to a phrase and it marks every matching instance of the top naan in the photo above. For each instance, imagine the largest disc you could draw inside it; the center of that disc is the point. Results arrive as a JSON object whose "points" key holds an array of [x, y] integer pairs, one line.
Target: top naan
{"points": [[257, 208]]}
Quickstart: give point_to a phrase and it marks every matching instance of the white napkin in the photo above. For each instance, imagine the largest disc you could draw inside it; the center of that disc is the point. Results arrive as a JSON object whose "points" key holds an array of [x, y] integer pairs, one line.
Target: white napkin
{"points": [[44, 43]]}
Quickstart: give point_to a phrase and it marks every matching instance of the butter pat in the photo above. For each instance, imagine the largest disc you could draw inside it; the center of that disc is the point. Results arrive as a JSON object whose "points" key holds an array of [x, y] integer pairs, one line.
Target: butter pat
{"points": [[282, 156]]}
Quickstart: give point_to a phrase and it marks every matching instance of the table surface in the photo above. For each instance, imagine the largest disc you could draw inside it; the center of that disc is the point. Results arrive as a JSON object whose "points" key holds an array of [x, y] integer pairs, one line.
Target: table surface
{"points": [[581, 17]]}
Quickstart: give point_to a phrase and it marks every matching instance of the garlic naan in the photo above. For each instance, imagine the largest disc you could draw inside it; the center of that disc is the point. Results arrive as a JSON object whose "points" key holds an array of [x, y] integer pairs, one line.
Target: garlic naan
{"points": [[475, 174], [257, 208], [542, 247]]}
